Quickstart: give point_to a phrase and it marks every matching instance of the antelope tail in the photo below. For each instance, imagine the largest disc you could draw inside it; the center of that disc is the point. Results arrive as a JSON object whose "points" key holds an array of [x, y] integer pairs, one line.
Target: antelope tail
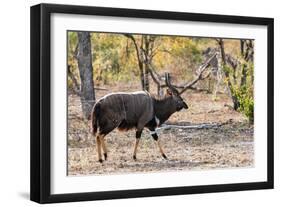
{"points": [[95, 117]]}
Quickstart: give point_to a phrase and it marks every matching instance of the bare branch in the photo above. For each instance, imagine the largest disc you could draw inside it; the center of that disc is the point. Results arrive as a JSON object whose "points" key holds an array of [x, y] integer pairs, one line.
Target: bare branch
{"points": [[190, 85], [139, 57], [154, 71], [154, 78], [76, 87], [136, 47], [168, 83], [199, 76]]}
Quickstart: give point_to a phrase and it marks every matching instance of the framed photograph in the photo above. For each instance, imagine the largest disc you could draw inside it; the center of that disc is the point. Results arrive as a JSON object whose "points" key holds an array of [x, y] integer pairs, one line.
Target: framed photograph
{"points": [[133, 103]]}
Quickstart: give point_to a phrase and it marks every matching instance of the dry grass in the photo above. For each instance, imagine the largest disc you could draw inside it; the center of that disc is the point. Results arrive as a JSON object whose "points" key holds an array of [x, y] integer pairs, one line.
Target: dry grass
{"points": [[228, 146]]}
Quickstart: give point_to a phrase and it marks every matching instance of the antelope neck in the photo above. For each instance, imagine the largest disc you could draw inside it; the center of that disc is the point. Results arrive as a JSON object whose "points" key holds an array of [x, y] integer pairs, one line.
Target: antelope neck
{"points": [[164, 108]]}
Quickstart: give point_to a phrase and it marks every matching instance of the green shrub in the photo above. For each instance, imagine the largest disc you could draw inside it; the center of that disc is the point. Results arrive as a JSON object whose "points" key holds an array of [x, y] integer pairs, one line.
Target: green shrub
{"points": [[246, 101], [242, 90]]}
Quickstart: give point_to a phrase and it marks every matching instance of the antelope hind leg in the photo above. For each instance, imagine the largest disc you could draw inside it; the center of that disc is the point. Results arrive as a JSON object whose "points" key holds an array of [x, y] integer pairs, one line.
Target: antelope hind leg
{"points": [[98, 143], [138, 136], [135, 149], [103, 146]]}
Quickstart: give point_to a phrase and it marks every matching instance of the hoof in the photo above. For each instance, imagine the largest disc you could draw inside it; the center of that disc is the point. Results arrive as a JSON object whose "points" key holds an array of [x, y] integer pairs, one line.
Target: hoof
{"points": [[105, 156], [134, 157], [100, 160], [164, 156]]}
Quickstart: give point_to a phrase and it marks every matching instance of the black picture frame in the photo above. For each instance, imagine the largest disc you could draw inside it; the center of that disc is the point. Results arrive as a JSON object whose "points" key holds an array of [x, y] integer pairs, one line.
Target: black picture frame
{"points": [[41, 98]]}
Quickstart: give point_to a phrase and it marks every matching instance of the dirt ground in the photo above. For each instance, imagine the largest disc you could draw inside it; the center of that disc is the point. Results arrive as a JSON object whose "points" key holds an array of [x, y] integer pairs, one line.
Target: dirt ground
{"points": [[230, 145]]}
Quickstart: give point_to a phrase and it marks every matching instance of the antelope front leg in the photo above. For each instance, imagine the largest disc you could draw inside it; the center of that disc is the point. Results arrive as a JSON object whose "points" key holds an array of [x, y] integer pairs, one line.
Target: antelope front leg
{"points": [[155, 137]]}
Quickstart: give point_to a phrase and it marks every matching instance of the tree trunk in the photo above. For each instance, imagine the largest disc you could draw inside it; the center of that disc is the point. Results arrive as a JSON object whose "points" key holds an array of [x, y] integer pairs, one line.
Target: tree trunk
{"points": [[242, 43], [145, 54], [142, 76], [147, 60], [84, 58], [235, 100]]}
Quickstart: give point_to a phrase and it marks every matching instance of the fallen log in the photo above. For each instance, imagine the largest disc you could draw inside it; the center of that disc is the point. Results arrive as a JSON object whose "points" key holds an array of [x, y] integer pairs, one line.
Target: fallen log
{"points": [[101, 89], [197, 126]]}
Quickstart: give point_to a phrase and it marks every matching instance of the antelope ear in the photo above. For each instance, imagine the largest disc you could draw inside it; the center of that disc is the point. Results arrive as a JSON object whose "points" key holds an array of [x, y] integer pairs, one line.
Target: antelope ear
{"points": [[169, 92]]}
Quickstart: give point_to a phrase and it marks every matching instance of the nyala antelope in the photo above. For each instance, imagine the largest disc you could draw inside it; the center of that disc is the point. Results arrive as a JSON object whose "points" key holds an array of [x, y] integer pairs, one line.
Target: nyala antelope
{"points": [[137, 110]]}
